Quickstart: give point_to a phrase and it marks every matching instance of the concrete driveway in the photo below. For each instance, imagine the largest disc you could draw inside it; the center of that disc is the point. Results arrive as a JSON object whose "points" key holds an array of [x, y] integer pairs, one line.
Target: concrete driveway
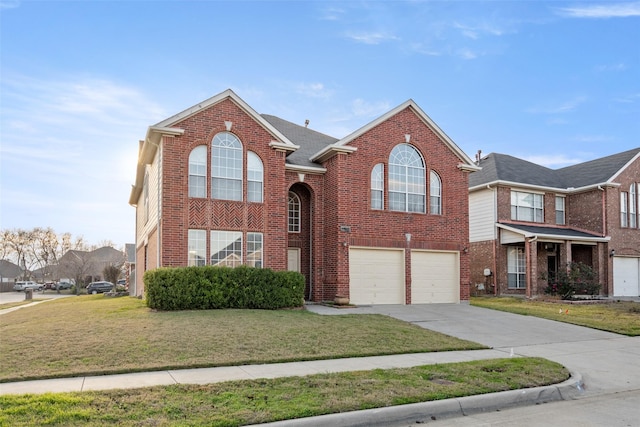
{"points": [[609, 363]]}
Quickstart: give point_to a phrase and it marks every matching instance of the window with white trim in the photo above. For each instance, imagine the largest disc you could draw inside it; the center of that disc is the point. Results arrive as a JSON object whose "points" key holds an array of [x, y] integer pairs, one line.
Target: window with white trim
{"points": [[435, 194], [527, 206], [407, 188], [377, 186], [226, 167], [516, 271], [624, 213], [197, 248], [198, 172], [226, 248], [633, 203], [294, 213], [254, 250], [560, 210], [255, 177]]}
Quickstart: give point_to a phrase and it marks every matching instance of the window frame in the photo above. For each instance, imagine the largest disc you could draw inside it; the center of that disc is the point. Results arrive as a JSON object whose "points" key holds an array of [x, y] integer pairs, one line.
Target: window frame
{"points": [[255, 178], [516, 268], [406, 169], [624, 211], [227, 238], [201, 151], [563, 212], [227, 167], [293, 215], [253, 247], [196, 245], [633, 205], [437, 198], [377, 187], [518, 209]]}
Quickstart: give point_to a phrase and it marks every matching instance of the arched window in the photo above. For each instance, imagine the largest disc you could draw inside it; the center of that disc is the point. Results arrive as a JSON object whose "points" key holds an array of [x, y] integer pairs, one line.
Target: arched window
{"points": [[435, 194], [198, 172], [377, 186], [254, 177], [407, 189], [226, 167], [294, 213]]}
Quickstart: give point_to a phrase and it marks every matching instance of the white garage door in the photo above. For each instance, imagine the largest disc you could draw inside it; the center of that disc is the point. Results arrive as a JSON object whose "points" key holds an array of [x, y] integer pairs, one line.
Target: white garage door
{"points": [[626, 277], [376, 276], [435, 277]]}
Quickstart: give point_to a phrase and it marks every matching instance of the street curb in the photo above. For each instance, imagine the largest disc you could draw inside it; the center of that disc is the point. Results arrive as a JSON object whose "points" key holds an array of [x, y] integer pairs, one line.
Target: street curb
{"points": [[417, 413]]}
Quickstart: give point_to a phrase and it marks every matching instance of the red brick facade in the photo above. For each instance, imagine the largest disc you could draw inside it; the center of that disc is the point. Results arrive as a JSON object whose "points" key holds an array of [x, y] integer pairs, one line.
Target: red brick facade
{"points": [[335, 196]]}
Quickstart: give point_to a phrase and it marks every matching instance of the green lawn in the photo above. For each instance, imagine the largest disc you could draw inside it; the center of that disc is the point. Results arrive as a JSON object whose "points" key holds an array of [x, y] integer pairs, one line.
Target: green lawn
{"points": [[258, 401], [90, 335], [621, 317]]}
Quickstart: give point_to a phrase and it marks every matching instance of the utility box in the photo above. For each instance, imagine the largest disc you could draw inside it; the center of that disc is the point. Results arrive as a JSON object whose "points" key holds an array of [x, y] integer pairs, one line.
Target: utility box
{"points": [[28, 294]]}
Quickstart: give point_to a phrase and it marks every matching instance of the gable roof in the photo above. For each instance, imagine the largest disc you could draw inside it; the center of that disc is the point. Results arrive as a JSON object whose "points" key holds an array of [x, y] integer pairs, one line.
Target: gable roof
{"points": [[466, 162], [545, 232], [9, 269], [505, 169]]}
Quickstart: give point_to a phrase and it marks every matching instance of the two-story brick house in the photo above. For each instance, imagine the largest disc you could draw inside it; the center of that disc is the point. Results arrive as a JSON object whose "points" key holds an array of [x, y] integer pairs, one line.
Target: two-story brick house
{"points": [[380, 216], [528, 221]]}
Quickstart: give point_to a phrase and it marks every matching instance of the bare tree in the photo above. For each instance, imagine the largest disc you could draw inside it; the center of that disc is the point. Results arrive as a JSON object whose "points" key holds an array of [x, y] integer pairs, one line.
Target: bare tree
{"points": [[76, 264], [17, 241]]}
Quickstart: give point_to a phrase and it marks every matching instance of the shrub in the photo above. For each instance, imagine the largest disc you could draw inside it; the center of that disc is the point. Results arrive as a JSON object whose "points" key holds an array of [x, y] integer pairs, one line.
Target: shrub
{"points": [[577, 278], [208, 287]]}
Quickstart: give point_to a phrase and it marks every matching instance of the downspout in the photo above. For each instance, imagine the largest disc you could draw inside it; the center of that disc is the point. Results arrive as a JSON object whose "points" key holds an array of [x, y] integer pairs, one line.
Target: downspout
{"points": [[604, 210], [311, 225]]}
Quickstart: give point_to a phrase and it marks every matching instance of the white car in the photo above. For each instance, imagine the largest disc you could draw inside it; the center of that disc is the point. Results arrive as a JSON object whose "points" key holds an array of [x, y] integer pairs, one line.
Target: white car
{"points": [[23, 286]]}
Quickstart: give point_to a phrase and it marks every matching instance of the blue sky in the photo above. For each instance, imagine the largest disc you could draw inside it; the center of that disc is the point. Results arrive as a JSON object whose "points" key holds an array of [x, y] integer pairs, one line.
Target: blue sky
{"points": [[553, 82]]}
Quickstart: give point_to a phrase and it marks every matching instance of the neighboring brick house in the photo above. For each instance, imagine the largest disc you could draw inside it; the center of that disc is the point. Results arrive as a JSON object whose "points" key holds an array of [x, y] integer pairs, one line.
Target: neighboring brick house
{"points": [[527, 220], [380, 216]]}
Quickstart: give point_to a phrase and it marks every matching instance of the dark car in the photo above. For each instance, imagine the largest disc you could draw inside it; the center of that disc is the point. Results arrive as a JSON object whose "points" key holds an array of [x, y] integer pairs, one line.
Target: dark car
{"points": [[99, 287]]}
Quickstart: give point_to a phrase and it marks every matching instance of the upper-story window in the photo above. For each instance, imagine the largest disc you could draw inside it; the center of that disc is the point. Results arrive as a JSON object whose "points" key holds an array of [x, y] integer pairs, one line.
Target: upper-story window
{"points": [[294, 213], [435, 194], [255, 177], [633, 205], [526, 206], [226, 167], [377, 186], [198, 172], [624, 218], [407, 189], [560, 210]]}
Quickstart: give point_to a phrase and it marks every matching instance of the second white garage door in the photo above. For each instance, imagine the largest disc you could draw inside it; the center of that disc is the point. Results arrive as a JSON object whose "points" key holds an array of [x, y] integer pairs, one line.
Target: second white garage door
{"points": [[435, 277], [376, 276], [626, 277]]}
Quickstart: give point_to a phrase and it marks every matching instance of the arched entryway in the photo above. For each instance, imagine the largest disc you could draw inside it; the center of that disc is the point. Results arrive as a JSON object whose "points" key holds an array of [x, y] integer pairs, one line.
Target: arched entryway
{"points": [[299, 250]]}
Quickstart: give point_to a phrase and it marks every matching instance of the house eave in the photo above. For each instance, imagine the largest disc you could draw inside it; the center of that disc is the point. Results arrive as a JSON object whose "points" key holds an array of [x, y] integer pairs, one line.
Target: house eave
{"points": [[331, 150], [544, 236], [283, 146], [542, 188], [305, 169]]}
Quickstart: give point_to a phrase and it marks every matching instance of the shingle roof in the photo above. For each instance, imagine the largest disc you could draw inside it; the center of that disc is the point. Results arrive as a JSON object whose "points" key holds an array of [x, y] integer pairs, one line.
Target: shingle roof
{"points": [[502, 167], [310, 141], [9, 269], [553, 231]]}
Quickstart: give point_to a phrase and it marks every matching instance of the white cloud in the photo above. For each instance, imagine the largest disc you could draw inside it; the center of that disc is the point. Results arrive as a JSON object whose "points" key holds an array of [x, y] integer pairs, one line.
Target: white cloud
{"points": [[332, 14], [313, 90], [608, 10], [612, 67], [9, 4], [361, 108], [560, 108], [372, 38]]}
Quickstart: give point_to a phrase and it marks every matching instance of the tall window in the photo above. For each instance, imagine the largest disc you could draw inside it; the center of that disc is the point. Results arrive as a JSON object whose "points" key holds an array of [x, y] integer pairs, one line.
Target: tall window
{"points": [[226, 167], [226, 248], [377, 187], [435, 194], [560, 210], [516, 273], [633, 200], [624, 218], [294, 212], [526, 207], [407, 189], [145, 195], [254, 250], [198, 172], [197, 247], [255, 177]]}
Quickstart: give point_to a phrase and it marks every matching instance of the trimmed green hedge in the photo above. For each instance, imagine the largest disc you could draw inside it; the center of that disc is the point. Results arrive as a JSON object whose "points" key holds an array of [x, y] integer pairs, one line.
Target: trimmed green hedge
{"points": [[207, 287]]}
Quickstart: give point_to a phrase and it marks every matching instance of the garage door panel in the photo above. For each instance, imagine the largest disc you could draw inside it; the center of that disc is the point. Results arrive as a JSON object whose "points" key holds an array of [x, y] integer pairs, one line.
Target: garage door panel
{"points": [[376, 276], [626, 277], [435, 277]]}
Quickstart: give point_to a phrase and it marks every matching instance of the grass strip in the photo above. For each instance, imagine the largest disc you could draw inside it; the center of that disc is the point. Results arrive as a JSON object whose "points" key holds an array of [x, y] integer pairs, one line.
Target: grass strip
{"points": [[93, 335], [258, 401], [621, 317]]}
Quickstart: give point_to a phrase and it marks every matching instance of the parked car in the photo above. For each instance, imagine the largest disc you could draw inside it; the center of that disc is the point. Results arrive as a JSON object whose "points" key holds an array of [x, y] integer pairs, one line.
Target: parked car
{"points": [[24, 285], [99, 287], [64, 284]]}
